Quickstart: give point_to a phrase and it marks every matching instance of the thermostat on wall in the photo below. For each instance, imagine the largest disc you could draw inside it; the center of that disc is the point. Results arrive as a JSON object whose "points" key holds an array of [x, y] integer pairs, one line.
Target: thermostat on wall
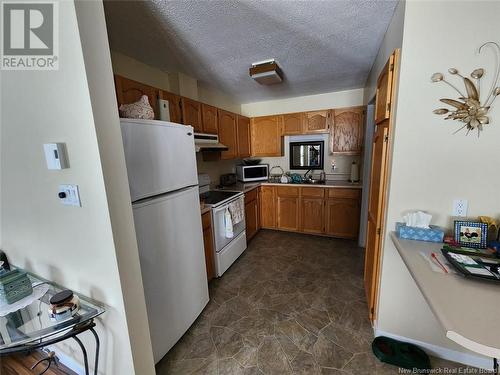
{"points": [[55, 155]]}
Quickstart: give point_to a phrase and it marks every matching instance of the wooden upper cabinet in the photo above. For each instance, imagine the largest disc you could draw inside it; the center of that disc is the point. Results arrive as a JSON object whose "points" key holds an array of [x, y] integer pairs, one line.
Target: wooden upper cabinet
{"points": [[267, 207], [228, 134], [243, 126], [129, 91], [191, 114], [384, 92], [293, 123], [266, 135], [317, 121], [174, 105], [209, 119], [348, 131]]}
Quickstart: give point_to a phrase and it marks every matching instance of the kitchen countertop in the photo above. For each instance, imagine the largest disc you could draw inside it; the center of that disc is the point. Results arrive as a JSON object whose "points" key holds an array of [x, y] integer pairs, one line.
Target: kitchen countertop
{"points": [[467, 309], [246, 187]]}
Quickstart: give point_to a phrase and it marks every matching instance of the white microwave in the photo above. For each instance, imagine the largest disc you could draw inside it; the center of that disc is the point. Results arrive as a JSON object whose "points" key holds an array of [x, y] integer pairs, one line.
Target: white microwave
{"points": [[249, 173]]}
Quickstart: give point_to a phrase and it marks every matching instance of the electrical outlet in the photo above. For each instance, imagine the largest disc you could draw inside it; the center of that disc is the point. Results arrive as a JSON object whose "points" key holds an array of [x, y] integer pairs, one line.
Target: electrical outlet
{"points": [[460, 207]]}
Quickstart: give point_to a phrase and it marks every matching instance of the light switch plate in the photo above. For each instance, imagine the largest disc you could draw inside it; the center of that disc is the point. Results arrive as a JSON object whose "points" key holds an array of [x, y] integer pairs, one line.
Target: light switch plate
{"points": [[69, 195], [460, 207], [55, 155]]}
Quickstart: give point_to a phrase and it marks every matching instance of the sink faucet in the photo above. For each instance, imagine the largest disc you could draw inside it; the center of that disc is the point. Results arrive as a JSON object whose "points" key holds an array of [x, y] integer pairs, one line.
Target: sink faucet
{"points": [[305, 175]]}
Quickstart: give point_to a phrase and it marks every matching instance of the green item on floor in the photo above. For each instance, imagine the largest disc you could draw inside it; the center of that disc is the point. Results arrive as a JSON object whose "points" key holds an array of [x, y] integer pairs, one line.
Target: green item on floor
{"points": [[401, 354]]}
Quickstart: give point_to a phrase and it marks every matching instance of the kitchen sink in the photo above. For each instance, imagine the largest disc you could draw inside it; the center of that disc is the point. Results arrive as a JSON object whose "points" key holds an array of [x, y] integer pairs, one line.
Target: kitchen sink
{"points": [[314, 182]]}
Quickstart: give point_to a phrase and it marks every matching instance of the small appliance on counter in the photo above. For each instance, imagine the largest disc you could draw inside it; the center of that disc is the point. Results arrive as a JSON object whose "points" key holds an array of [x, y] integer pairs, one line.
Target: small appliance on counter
{"points": [[228, 179], [250, 173]]}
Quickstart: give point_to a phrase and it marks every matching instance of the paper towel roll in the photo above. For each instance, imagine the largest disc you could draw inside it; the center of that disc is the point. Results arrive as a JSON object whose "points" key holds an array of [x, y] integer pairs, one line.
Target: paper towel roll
{"points": [[354, 172]]}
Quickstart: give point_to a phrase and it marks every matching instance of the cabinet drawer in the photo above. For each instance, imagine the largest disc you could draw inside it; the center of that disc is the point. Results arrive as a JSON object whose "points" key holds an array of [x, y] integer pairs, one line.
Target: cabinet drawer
{"points": [[344, 193], [287, 191], [206, 221], [250, 196], [313, 192]]}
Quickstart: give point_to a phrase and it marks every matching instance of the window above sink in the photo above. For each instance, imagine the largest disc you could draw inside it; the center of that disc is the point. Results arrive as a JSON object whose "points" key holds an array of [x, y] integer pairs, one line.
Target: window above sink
{"points": [[307, 155]]}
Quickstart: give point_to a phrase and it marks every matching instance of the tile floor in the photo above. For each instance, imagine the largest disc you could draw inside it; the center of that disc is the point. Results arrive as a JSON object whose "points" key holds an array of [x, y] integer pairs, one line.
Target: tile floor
{"points": [[292, 304]]}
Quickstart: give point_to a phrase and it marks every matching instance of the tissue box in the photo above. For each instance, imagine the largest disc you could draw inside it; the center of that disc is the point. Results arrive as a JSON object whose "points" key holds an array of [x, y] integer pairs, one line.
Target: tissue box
{"points": [[433, 234]]}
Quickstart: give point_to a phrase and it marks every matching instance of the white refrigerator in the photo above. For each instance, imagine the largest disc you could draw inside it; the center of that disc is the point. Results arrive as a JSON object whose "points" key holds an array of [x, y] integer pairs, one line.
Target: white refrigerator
{"points": [[161, 166]]}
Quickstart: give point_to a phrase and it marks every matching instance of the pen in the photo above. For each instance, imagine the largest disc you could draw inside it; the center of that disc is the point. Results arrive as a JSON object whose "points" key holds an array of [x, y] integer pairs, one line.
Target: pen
{"points": [[440, 264]]}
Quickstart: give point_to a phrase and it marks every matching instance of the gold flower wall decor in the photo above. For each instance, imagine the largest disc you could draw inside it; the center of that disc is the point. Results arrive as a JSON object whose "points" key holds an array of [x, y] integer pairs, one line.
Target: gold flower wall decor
{"points": [[468, 109]]}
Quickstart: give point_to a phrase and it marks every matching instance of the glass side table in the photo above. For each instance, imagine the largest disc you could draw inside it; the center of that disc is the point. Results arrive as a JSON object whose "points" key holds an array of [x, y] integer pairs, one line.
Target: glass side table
{"points": [[30, 328]]}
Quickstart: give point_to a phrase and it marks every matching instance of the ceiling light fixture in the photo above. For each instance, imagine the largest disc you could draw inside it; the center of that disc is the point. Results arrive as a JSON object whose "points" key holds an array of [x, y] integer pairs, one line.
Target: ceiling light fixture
{"points": [[266, 72]]}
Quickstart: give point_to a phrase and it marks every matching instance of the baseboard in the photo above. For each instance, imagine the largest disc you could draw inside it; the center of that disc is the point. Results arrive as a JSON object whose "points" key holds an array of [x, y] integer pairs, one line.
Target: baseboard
{"points": [[68, 361], [444, 353]]}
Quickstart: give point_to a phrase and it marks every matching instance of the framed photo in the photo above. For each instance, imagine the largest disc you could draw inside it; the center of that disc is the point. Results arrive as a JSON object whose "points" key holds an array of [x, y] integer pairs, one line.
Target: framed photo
{"points": [[471, 234]]}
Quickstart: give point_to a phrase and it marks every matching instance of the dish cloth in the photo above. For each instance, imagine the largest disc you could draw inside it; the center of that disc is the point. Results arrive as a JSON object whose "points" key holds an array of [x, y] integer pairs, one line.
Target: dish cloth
{"points": [[237, 210], [228, 224]]}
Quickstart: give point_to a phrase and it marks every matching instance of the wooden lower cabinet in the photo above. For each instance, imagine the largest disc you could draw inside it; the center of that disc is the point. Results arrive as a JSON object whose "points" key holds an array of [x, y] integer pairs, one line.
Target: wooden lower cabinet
{"points": [[315, 210], [287, 208], [312, 214], [206, 220], [267, 207], [342, 217], [252, 218]]}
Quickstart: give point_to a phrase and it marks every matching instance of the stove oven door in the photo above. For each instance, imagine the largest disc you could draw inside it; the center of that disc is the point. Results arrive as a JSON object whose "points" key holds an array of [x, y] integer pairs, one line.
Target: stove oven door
{"points": [[219, 230]]}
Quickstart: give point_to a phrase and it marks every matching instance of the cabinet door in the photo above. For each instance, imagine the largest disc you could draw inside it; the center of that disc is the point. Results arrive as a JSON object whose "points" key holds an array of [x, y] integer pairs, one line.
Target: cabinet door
{"points": [[348, 131], [267, 135], [267, 207], [312, 215], [293, 123], [174, 105], [129, 91], [209, 119], [384, 92], [342, 217], [251, 218], [227, 134], [243, 137], [287, 207], [208, 243], [317, 121], [191, 114]]}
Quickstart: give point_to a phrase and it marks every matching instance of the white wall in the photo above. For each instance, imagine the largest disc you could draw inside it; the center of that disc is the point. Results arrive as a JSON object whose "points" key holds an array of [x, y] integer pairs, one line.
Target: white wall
{"points": [[431, 167], [129, 67], [339, 99], [177, 83], [72, 246], [97, 59]]}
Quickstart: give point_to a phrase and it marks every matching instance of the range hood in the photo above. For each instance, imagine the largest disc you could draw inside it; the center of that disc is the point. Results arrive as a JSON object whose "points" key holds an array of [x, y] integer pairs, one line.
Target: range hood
{"points": [[208, 142]]}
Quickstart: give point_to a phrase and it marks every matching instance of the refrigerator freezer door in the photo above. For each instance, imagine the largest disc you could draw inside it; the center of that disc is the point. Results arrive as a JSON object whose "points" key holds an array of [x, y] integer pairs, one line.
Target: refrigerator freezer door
{"points": [[172, 257], [160, 157]]}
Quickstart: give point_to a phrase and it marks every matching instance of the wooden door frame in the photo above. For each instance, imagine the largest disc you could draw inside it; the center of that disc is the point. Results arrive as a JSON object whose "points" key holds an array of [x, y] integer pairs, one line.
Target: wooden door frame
{"points": [[384, 193]]}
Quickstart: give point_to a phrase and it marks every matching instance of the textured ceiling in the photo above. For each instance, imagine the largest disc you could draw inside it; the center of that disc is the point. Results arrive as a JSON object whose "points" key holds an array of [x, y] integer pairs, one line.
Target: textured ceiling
{"points": [[322, 46]]}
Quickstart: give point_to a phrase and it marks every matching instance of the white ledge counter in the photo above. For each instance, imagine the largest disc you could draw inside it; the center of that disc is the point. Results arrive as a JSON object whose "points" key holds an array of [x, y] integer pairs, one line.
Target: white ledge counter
{"points": [[467, 309]]}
